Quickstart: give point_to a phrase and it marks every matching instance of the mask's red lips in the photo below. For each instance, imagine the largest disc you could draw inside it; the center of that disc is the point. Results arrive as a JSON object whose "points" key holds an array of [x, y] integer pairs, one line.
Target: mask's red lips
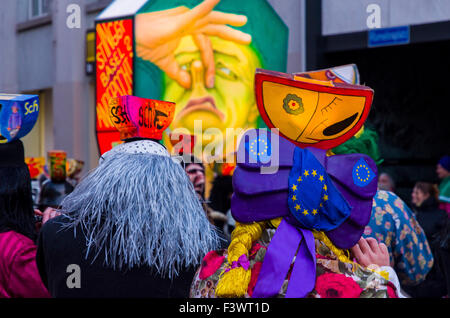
{"points": [[206, 103]]}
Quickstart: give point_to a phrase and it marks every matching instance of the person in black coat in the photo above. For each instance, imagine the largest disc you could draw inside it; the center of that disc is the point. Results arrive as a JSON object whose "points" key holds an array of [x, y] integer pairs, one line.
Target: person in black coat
{"points": [[441, 249], [68, 274], [434, 223], [134, 227], [426, 207]]}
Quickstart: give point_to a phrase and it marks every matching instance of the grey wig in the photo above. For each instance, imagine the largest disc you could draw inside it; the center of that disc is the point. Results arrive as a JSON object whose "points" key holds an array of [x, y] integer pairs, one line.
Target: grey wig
{"points": [[141, 209]]}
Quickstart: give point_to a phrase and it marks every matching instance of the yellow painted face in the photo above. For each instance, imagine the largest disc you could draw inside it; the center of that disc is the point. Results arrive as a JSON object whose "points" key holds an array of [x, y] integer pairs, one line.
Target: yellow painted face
{"points": [[312, 112], [230, 103]]}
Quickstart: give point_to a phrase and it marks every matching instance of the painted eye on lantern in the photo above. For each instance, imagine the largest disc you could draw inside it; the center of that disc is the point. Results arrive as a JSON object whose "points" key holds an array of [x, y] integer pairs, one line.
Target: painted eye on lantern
{"points": [[225, 72]]}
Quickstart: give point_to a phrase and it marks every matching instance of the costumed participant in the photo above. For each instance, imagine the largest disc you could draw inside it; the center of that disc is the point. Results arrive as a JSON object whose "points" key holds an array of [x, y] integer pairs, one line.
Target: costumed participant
{"points": [[443, 173], [133, 226], [55, 189], [221, 192], [298, 208], [183, 146], [196, 172], [392, 221], [385, 182], [19, 277]]}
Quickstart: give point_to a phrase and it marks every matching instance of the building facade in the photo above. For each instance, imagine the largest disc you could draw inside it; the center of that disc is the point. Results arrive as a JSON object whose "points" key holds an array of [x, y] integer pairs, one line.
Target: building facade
{"points": [[42, 55]]}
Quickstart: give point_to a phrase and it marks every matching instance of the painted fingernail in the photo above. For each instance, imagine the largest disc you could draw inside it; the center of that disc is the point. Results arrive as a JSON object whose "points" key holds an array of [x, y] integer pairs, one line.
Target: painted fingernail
{"points": [[248, 38], [242, 19], [185, 79]]}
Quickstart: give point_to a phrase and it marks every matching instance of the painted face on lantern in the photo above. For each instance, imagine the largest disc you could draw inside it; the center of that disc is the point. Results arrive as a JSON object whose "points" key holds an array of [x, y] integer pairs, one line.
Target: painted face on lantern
{"points": [[309, 112]]}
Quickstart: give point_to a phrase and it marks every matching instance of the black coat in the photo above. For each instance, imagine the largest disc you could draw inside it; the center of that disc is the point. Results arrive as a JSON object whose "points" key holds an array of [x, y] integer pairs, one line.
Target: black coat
{"points": [[430, 217], [57, 249], [434, 223]]}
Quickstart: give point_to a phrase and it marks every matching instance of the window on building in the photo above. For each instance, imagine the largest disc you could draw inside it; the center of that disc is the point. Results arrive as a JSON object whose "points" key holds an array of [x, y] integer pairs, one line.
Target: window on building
{"points": [[38, 8]]}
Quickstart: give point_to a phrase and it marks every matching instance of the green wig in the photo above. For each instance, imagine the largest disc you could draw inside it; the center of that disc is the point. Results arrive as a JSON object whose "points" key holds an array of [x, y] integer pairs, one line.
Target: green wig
{"points": [[365, 143]]}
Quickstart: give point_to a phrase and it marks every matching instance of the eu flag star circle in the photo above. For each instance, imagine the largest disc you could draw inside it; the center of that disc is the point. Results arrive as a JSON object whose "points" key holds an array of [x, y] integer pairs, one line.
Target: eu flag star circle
{"points": [[362, 174], [259, 147]]}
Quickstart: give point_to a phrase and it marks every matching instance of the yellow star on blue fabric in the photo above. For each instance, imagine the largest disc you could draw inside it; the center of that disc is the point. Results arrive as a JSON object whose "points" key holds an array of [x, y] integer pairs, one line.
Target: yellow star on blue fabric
{"points": [[259, 148], [313, 199]]}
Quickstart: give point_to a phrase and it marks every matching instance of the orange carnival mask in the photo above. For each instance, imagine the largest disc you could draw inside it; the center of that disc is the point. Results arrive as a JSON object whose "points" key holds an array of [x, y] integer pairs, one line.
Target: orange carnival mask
{"points": [[316, 109]]}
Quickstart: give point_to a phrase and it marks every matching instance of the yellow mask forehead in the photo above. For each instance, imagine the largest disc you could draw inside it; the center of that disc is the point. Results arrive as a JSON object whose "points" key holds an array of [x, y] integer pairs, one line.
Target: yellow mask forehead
{"points": [[311, 112], [292, 107], [308, 116]]}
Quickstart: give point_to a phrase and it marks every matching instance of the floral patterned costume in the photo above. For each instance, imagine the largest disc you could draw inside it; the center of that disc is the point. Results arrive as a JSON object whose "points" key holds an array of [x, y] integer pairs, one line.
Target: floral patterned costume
{"points": [[393, 223], [335, 278], [299, 208]]}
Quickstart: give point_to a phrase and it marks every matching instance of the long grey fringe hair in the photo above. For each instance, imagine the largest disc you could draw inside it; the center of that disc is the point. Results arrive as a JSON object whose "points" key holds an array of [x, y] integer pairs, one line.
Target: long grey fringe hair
{"points": [[141, 209]]}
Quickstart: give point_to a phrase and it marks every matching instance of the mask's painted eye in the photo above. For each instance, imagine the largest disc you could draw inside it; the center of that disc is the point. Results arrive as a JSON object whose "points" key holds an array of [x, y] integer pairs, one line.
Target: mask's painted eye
{"points": [[293, 104], [225, 72]]}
